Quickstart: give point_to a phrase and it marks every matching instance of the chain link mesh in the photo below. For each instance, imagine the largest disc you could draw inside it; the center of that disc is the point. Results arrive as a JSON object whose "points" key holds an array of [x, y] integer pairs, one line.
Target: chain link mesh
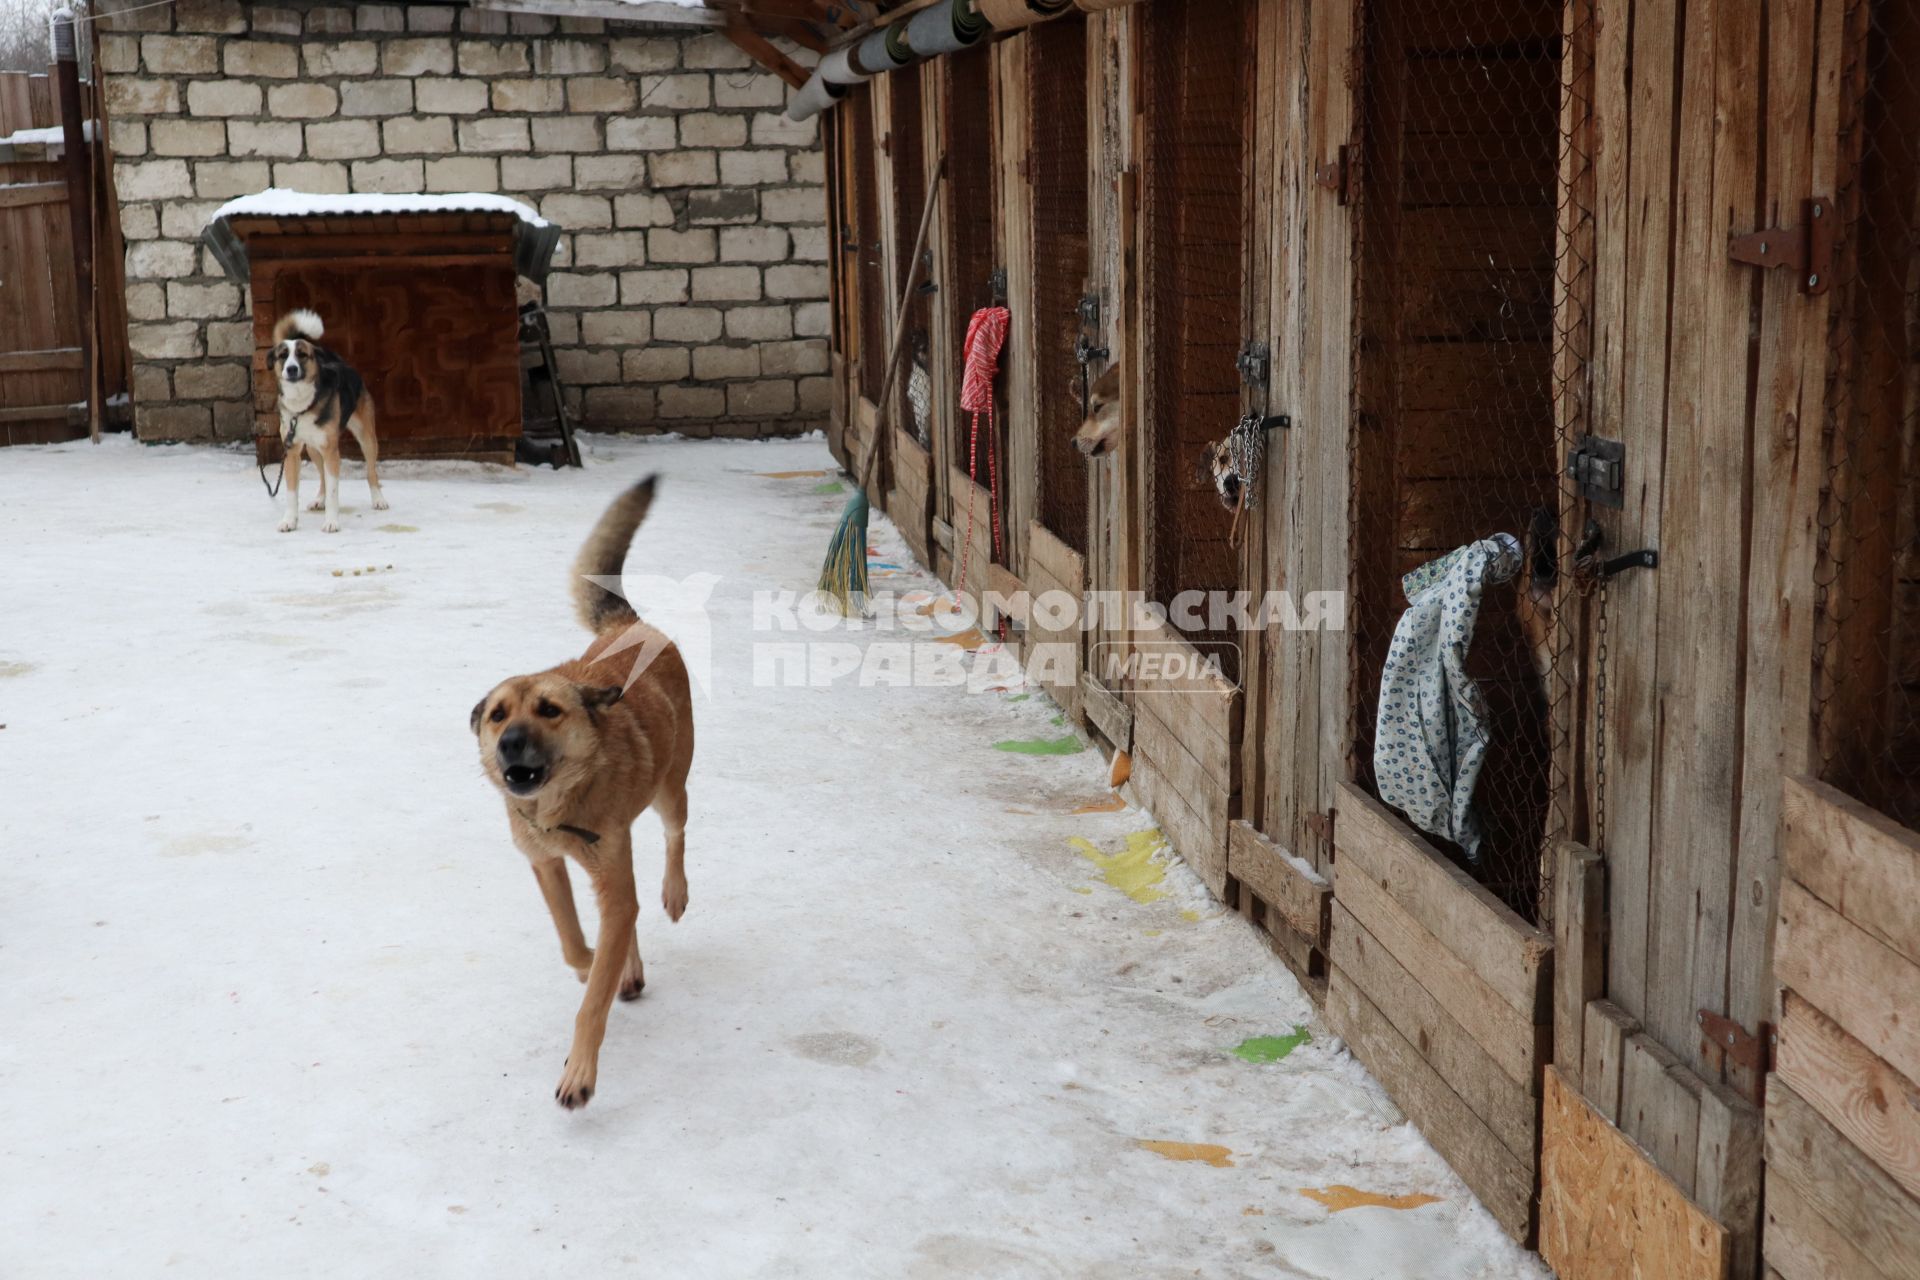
{"points": [[1469, 371], [907, 149], [1867, 600], [1057, 108], [1197, 82], [867, 243]]}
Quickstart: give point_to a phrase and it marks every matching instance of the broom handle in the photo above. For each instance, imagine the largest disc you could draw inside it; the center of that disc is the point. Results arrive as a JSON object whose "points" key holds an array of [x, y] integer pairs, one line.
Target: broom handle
{"points": [[900, 327]]}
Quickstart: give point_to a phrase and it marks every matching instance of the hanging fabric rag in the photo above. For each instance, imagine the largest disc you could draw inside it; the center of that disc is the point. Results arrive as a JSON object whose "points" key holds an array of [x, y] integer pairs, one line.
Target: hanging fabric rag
{"points": [[1431, 737], [980, 356]]}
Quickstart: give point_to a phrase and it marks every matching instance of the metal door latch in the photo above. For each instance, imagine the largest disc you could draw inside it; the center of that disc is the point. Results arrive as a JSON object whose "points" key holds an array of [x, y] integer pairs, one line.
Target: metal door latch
{"points": [[1806, 249], [1254, 361], [1085, 352], [1599, 468], [1590, 569]]}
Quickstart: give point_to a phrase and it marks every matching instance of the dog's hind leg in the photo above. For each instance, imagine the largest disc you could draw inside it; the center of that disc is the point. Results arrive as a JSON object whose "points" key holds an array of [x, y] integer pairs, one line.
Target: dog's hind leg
{"points": [[672, 808], [319, 502], [361, 424], [557, 889], [290, 487]]}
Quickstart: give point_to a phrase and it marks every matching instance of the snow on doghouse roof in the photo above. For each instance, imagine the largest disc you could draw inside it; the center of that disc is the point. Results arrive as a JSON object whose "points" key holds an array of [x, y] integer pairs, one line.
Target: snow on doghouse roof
{"points": [[534, 238], [279, 202]]}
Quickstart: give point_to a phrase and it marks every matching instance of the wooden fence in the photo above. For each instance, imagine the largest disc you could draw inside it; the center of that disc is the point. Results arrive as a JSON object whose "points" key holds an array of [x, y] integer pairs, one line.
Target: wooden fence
{"points": [[45, 373]]}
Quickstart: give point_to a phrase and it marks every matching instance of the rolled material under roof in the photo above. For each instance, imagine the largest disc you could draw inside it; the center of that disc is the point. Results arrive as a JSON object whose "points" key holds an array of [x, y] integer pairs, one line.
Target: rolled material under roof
{"points": [[1011, 15], [815, 96], [837, 68], [884, 50], [1097, 6], [945, 28]]}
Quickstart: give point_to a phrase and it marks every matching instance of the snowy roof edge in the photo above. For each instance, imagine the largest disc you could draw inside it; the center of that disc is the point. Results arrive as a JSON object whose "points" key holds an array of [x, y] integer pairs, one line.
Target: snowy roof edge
{"points": [[533, 243]]}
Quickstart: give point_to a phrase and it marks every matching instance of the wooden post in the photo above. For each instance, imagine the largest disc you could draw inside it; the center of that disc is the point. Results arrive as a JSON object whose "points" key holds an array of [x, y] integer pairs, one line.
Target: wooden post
{"points": [[79, 202]]}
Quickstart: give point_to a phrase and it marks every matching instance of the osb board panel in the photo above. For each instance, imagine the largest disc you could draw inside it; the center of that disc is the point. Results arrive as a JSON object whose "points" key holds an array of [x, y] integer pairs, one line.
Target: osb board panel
{"points": [[439, 350], [1605, 1212], [1860, 1095]]}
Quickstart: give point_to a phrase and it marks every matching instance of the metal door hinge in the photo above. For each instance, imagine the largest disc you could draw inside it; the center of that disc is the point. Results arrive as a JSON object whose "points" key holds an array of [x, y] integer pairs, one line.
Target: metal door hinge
{"points": [[997, 283], [1743, 1048], [1089, 308], [1806, 249], [1337, 175], [1599, 468], [1085, 352]]}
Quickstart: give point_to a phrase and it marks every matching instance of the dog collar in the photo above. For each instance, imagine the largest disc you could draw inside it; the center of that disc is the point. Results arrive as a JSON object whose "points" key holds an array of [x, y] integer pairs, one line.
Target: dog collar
{"points": [[591, 837]]}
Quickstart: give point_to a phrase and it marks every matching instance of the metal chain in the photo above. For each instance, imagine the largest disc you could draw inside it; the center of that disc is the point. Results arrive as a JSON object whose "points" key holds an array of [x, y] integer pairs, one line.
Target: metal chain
{"points": [[1600, 723]]}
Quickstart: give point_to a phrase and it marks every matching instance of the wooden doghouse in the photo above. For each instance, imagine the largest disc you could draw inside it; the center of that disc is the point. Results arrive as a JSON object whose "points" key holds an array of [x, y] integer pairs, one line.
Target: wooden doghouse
{"points": [[417, 293]]}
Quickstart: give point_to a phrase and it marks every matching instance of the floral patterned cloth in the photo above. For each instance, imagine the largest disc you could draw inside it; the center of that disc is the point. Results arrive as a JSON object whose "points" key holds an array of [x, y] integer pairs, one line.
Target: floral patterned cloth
{"points": [[1431, 737]]}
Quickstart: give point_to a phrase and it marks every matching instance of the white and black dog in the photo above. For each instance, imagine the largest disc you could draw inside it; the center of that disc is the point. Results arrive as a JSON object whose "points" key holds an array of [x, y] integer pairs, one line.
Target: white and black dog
{"points": [[319, 395]]}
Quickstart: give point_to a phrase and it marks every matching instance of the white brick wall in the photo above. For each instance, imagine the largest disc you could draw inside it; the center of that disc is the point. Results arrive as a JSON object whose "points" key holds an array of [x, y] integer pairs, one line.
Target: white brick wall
{"points": [[688, 292]]}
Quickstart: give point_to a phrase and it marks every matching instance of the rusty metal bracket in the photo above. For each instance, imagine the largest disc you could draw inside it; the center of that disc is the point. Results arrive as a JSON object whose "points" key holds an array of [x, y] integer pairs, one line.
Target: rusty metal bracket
{"points": [[1743, 1048], [1337, 174], [1806, 248]]}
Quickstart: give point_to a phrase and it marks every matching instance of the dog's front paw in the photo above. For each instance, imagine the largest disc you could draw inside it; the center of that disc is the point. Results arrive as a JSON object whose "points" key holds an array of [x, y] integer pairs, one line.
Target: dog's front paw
{"points": [[673, 896], [290, 524], [379, 503], [575, 1089], [331, 526]]}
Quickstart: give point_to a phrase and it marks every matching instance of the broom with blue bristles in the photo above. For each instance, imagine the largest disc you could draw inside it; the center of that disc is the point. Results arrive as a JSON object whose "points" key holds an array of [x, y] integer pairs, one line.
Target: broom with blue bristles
{"points": [[843, 579]]}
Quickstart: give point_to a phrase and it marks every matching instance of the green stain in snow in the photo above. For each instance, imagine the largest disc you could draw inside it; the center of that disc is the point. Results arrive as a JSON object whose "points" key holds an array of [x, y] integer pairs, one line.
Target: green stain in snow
{"points": [[1066, 746], [1264, 1049]]}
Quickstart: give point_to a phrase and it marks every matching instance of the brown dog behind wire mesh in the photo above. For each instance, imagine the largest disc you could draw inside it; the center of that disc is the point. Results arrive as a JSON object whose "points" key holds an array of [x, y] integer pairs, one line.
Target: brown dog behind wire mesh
{"points": [[579, 751]]}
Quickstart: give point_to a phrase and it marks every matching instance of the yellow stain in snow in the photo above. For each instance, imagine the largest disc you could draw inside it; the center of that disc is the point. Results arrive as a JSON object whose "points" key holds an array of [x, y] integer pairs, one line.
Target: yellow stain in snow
{"points": [[1132, 870], [968, 639], [1340, 1196], [1191, 917], [1204, 1152], [1081, 888]]}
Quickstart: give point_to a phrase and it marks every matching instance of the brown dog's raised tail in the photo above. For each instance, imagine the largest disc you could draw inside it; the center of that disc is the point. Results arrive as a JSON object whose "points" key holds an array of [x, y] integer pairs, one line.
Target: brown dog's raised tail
{"points": [[604, 557]]}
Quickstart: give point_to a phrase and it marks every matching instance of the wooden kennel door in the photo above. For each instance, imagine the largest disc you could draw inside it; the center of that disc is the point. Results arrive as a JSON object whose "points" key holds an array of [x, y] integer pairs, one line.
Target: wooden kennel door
{"points": [[1057, 158], [1196, 81], [1455, 438], [868, 248], [970, 258]]}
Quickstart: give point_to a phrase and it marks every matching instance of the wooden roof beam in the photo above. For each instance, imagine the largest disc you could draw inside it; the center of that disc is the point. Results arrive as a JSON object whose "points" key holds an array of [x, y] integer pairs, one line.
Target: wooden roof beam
{"points": [[763, 51]]}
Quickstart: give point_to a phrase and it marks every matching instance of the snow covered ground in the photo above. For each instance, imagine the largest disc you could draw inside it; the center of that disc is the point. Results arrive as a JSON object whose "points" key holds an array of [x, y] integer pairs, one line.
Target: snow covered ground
{"points": [[278, 997]]}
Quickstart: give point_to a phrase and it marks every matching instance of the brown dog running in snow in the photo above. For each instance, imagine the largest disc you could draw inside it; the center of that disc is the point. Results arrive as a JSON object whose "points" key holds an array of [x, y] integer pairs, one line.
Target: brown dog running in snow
{"points": [[579, 751]]}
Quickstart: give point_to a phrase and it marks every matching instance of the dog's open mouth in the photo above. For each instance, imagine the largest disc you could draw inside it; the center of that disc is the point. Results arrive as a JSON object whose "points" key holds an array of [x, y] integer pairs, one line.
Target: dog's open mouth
{"points": [[524, 779]]}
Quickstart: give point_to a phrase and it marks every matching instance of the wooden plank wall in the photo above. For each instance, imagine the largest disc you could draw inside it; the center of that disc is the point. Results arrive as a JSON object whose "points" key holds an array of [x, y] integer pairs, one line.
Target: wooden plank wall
{"points": [[1445, 994], [41, 323], [1843, 1108], [1706, 685]]}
